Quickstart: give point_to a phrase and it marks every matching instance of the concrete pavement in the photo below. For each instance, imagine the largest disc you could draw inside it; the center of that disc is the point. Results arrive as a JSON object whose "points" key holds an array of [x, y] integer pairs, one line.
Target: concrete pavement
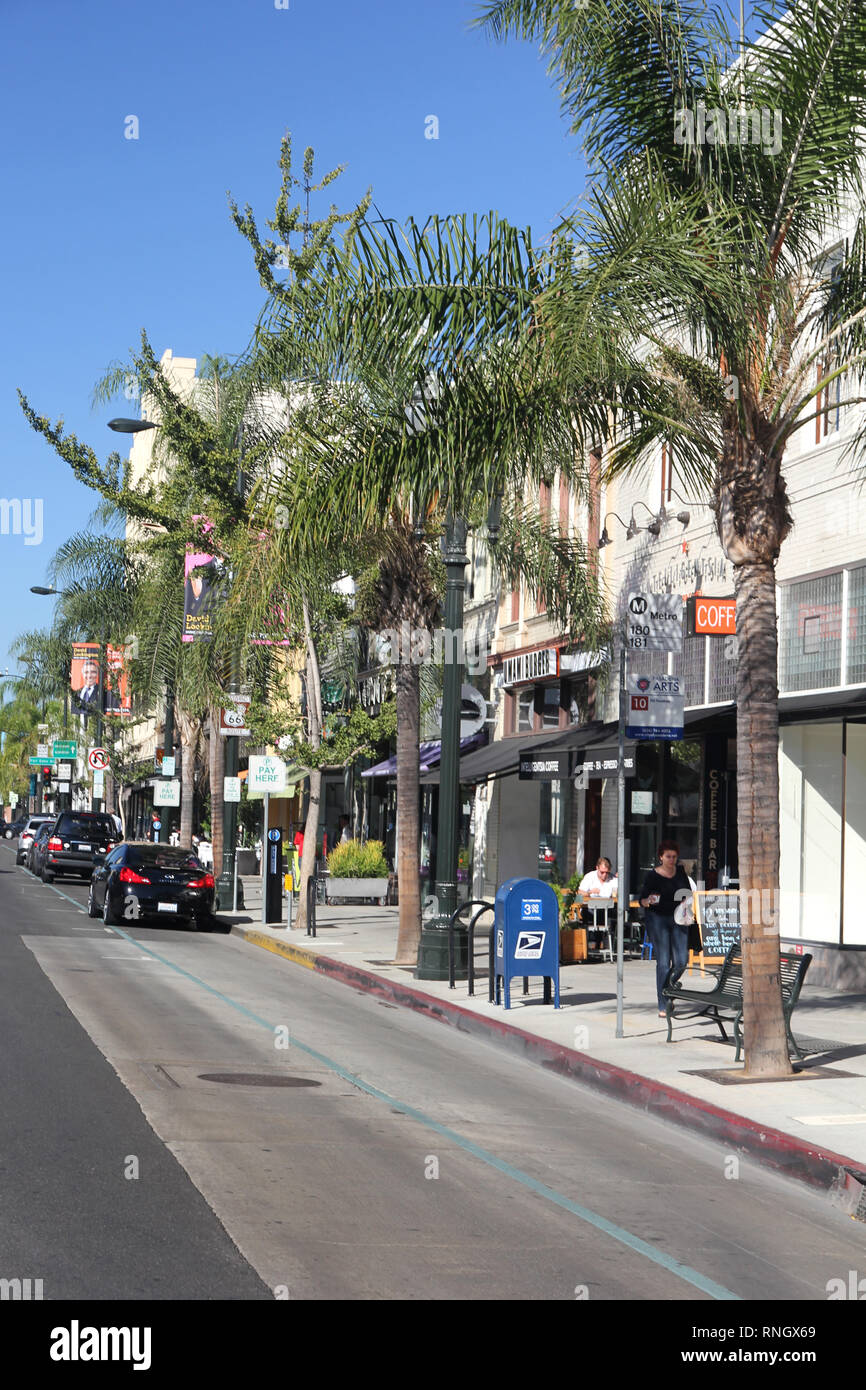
{"points": [[812, 1127]]}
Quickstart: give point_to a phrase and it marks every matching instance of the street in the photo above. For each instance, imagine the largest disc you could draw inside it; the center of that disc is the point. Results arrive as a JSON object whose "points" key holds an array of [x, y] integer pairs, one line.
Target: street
{"points": [[188, 1117]]}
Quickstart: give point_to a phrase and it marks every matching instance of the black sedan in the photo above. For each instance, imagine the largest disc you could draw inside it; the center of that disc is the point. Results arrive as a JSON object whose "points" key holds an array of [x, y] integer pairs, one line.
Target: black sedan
{"points": [[35, 857], [138, 880]]}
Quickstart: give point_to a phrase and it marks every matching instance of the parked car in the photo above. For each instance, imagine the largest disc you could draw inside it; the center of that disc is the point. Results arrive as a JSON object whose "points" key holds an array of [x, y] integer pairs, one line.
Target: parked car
{"points": [[27, 835], [14, 827], [77, 837], [36, 849], [139, 880]]}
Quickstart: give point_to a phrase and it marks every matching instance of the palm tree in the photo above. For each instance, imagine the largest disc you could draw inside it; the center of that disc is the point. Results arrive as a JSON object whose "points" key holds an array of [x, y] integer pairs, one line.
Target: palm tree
{"points": [[422, 389], [696, 259]]}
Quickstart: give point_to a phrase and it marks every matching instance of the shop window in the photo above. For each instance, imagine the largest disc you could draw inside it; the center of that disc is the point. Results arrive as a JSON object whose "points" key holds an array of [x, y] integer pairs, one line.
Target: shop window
{"points": [[854, 920], [810, 830], [550, 707], [856, 674], [525, 700], [723, 669], [689, 665], [810, 634]]}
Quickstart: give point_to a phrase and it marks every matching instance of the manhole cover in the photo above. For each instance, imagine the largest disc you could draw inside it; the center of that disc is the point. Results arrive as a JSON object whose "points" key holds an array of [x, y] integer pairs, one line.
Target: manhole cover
{"points": [[244, 1078]]}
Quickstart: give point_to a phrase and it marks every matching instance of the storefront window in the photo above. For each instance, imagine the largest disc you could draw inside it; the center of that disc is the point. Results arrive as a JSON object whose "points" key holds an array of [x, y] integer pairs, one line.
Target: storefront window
{"points": [[857, 626], [682, 798], [723, 669], [689, 664], [854, 920], [810, 825], [550, 707], [553, 831], [810, 634], [525, 709]]}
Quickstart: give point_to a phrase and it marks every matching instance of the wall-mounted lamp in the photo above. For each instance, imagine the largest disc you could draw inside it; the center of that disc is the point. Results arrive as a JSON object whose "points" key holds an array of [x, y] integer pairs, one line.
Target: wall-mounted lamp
{"points": [[604, 538]]}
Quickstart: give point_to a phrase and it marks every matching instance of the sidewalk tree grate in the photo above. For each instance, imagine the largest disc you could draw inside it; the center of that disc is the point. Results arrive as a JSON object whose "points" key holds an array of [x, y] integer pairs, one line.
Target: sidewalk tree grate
{"points": [[246, 1078]]}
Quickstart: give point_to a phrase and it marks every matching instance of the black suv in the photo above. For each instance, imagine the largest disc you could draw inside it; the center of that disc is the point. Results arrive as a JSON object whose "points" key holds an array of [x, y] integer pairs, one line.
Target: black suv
{"points": [[76, 838]]}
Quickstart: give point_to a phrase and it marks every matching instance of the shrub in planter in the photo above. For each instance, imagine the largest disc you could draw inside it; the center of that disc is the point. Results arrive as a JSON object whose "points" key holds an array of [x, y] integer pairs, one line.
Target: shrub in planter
{"points": [[358, 871], [354, 860]]}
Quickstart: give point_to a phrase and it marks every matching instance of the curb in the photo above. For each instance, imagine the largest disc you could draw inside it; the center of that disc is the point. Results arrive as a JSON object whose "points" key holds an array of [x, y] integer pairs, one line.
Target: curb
{"points": [[833, 1173]]}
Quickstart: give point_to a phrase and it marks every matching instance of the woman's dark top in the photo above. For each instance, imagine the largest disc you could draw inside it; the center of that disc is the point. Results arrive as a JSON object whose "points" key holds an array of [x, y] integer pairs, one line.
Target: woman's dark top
{"points": [[667, 888]]}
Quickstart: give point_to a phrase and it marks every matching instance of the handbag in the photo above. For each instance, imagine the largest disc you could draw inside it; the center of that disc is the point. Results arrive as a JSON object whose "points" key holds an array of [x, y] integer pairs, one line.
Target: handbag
{"points": [[684, 912]]}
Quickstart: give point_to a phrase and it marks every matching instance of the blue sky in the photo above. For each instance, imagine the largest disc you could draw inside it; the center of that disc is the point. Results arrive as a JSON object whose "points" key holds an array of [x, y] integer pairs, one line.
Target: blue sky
{"points": [[103, 235]]}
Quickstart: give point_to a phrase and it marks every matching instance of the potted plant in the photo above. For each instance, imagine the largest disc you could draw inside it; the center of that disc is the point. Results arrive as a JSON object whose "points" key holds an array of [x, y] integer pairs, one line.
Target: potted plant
{"points": [[357, 871], [572, 936]]}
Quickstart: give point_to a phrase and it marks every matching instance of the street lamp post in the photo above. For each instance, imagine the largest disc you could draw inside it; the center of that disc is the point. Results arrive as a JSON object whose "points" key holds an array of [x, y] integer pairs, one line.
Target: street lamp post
{"points": [[433, 951]]}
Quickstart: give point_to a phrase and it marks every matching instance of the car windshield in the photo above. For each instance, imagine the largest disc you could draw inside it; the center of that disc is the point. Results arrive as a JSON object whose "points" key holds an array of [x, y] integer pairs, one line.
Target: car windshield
{"points": [[85, 826], [164, 857]]}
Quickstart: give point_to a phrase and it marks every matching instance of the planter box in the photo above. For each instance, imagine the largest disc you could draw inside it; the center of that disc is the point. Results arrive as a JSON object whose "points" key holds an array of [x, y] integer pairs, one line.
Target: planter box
{"points": [[572, 946], [356, 888]]}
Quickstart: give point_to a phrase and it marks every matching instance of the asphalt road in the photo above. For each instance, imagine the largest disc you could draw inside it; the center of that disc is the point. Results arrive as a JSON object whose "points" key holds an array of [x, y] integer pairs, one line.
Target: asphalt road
{"points": [[365, 1153]]}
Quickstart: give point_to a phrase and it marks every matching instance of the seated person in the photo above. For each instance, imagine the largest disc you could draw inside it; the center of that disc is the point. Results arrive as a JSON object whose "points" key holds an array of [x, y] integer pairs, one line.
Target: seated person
{"points": [[596, 886]]}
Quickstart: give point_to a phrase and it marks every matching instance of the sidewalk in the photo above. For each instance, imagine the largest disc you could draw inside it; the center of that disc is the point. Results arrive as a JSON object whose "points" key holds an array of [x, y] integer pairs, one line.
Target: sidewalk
{"points": [[812, 1127]]}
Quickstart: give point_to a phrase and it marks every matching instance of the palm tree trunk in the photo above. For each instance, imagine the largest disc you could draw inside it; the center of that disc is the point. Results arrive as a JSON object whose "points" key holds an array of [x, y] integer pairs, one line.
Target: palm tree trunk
{"points": [[186, 728], [758, 801], [408, 681], [314, 725]]}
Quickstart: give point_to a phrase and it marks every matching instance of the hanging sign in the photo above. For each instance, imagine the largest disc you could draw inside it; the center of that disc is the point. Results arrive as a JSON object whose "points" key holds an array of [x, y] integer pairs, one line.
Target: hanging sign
{"points": [[654, 622], [655, 707]]}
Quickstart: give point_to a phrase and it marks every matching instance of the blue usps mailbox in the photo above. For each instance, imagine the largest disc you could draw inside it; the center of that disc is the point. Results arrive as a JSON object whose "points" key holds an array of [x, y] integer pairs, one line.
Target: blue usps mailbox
{"points": [[527, 935]]}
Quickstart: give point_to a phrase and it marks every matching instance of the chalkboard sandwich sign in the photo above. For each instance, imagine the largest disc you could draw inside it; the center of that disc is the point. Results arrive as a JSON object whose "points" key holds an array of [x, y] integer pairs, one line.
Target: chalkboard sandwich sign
{"points": [[718, 914]]}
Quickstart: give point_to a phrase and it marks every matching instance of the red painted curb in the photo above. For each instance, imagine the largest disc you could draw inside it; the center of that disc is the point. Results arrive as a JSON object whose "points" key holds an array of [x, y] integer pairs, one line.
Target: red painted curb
{"points": [[794, 1157]]}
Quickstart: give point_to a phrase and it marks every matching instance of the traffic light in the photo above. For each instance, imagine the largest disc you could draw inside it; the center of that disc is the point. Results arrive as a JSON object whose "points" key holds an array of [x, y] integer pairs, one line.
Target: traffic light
{"points": [[46, 776]]}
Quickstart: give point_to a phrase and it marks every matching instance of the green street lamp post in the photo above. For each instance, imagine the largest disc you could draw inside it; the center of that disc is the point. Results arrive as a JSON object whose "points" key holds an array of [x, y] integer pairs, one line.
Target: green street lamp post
{"points": [[433, 951]]}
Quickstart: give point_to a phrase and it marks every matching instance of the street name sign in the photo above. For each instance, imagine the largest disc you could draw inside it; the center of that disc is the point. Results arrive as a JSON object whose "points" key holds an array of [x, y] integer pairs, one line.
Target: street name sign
{"points": [[267, 774], [655, 706], [46, 761], [654, 622]]}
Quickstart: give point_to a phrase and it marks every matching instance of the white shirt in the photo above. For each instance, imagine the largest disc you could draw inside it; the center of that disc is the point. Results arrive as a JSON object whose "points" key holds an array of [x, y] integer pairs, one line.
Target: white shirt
{"points": [[591, 883]]}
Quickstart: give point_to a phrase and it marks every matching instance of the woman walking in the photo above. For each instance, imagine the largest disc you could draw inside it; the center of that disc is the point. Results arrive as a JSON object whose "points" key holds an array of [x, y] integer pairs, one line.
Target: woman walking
{"points": [[664, 888]]}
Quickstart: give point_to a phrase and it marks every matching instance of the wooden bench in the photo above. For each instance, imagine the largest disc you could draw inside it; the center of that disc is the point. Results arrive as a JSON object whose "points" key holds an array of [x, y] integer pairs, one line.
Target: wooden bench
{"points": [[725, 999]]}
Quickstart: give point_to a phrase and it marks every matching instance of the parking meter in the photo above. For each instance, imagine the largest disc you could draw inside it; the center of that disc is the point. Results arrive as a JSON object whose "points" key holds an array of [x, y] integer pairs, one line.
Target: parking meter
{"points": [[274, 876], [527, 935]]}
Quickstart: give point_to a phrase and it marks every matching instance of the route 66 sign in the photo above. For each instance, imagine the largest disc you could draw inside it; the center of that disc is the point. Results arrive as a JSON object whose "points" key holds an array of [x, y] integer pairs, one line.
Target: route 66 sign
{"points": [[233, 719]]}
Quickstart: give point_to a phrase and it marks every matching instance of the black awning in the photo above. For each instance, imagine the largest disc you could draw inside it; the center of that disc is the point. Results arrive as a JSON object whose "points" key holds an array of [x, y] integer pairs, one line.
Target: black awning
{"points": [[498, 758], [501, 758]]}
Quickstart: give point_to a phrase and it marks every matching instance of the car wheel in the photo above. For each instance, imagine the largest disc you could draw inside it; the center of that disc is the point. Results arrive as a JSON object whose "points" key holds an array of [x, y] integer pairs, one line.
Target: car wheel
{"points": [[92, 909], [46, 876], [108, 916], [19, 859]]}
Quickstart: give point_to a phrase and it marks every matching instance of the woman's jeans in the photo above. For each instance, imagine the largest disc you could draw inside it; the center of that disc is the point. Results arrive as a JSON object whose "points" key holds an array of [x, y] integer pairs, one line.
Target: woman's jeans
{"points": [[670, 944]]}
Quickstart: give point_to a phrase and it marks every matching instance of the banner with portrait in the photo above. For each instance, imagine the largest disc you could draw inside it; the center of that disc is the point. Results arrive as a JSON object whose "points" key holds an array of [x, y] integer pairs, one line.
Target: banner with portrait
{"points": [[84, 680], [201, 573]]}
